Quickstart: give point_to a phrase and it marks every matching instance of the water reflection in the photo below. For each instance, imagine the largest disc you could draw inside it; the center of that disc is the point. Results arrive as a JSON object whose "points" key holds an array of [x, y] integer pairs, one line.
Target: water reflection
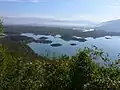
{"points": [[111, 46]]}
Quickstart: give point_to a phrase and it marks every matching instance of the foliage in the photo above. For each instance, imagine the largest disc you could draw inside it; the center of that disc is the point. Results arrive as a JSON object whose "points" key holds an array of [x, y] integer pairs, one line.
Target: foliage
{"points": [[78, 72], [1, 26]]}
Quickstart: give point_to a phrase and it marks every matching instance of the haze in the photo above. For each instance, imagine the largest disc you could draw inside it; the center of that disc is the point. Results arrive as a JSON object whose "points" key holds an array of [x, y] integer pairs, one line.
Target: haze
{"points": [[79, 12]]}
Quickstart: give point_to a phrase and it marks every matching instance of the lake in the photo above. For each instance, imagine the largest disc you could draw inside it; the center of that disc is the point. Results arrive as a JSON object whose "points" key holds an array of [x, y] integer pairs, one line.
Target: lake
{"points": [[110, 44]]}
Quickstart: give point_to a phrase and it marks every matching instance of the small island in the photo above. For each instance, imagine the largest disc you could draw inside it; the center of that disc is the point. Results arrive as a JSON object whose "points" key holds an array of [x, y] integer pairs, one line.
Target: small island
{"points": [[43, 38], [56, 45], [107, 37], [73, 44]]}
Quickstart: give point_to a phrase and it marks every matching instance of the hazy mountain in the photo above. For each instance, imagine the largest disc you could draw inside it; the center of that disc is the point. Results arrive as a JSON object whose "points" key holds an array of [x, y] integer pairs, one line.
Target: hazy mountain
{"points": [[110, 26], [45, 21]]}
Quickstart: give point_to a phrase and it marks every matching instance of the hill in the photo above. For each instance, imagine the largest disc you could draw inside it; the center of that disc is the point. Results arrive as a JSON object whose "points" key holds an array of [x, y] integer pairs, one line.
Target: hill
{"points": [[110, 26]]}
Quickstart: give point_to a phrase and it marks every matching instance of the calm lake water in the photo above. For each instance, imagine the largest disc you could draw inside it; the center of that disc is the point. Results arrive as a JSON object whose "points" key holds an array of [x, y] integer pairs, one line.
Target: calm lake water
{"points": [[110, 46]]}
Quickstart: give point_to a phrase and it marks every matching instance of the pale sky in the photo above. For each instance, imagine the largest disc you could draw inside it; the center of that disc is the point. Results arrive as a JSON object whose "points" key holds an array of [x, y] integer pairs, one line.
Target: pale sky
{"points": [[92, 10]]}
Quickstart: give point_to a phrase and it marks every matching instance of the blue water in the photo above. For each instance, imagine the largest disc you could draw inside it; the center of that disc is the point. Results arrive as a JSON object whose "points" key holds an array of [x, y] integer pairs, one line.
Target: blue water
{"points": [[110, 46]]}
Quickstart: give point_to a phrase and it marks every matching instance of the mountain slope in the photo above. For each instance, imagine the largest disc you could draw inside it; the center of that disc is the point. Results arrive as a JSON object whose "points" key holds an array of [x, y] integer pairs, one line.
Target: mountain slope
{"points": [[110, 26]]}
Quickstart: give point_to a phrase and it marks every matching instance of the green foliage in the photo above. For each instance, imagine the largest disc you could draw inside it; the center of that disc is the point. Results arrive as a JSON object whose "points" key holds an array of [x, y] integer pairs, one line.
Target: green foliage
{"points": [[78, 72], [1, 26]]}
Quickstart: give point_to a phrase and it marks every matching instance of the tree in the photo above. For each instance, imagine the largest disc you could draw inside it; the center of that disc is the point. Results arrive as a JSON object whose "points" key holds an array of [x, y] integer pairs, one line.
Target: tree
{"points": [[1, 26]]}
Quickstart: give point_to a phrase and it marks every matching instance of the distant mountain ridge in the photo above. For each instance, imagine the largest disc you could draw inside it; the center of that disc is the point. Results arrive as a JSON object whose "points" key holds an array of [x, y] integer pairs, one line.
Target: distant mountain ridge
{"points": [[45, 21], [110, 26]]}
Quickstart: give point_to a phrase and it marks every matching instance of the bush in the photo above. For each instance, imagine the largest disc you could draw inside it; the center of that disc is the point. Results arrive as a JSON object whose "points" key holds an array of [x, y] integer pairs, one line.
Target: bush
{"points": [[78, 72], [1, 26]]}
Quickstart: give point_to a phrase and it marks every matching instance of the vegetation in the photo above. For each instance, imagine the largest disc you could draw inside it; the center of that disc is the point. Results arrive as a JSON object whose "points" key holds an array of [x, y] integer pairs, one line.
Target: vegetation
{"points": [[67, 73], [18, 71], [1, 26]]}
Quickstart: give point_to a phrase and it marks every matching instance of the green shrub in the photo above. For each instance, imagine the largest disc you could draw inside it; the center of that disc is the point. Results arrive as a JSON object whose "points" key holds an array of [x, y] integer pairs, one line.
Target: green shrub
{"points": [[1, 26], [78, 72]]}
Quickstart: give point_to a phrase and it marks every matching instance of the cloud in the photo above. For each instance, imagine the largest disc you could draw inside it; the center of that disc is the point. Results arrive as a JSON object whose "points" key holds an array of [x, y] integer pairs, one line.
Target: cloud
{"points": [[20, 0]]}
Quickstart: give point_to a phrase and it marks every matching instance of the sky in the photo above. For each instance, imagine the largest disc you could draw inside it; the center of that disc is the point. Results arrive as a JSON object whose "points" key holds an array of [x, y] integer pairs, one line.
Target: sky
{"points": [[92, 10]]}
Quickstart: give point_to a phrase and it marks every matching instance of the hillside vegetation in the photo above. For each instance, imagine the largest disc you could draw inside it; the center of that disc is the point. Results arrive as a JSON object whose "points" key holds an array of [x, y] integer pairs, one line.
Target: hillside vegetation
{"points": [[78, 72]]}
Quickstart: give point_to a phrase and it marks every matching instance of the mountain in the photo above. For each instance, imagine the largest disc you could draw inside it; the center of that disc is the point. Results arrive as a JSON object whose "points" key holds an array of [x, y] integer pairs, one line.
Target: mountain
{"points": [[110, 26], [35, 21]]}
